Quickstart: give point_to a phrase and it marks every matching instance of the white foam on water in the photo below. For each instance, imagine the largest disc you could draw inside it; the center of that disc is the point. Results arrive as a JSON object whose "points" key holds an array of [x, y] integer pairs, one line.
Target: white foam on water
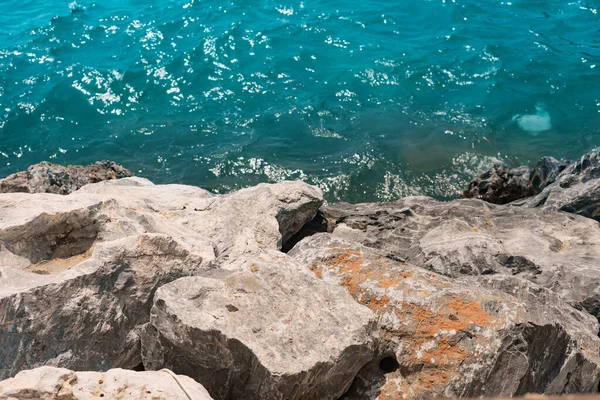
{"points": [[538, 122]]}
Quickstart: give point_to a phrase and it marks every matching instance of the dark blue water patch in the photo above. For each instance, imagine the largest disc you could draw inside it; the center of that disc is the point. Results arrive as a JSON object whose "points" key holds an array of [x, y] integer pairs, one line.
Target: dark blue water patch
{"points": [[369, 100]]}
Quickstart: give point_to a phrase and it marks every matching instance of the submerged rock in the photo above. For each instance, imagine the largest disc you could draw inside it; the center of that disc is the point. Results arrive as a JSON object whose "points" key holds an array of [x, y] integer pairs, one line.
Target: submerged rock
{"points": [[263, 328], [48, 383], [52, 178], [468, 337], [78, 272]]}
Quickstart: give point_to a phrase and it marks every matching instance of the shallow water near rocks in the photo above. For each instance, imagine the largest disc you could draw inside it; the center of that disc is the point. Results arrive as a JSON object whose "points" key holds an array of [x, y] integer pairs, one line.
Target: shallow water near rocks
{"points": [[369, 100]]}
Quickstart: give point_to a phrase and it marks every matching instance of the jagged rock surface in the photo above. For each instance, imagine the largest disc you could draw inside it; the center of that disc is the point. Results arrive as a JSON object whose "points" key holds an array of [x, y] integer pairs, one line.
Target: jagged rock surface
{"points": [[49, 383], [502, 184], [412, 299], [576, 190], [492, 335], [52, 178], [471, 237], [78, 272], [262, 328], [573, 187]]}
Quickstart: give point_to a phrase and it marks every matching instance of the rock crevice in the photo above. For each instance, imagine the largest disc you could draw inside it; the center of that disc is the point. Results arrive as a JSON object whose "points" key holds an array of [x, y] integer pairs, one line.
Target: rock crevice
{"points": [[266, 293]]}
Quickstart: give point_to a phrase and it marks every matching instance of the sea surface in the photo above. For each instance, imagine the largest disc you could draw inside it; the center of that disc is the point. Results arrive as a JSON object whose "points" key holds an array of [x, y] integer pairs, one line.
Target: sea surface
{"points": [[370, 100]]}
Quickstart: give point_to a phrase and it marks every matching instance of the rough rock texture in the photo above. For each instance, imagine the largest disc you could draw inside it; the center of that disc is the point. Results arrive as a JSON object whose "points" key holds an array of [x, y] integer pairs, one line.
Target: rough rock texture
{"points": [[263, 328], [52, 178], [471, 237], [409, 299], [492, 335], [78, 272], [502, 184], [573, 187], [48, 383], [576, 190]]}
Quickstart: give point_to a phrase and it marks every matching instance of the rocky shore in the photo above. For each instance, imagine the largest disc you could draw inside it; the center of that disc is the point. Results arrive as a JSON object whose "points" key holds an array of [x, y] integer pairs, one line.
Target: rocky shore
{"points": [[112, 286]]}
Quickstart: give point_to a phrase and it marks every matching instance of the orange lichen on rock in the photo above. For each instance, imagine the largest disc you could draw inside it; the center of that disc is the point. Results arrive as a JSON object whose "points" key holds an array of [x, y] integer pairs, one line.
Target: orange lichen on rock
{"points": [[351, 265], [426, 329], [376, 304], [318, 270], [457, 315], [429, 379], [428, 332], [445, 353]]}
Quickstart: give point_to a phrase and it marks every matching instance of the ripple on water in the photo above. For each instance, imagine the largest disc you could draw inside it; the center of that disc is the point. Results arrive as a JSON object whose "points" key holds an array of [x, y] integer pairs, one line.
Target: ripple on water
{"points": [[368, 100]]}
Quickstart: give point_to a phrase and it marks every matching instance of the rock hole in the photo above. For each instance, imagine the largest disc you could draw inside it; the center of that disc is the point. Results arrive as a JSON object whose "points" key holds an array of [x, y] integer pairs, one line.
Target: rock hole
{"points": [[139, 368], [67, 238], [389, 364], [231, 308], [316, 225]]}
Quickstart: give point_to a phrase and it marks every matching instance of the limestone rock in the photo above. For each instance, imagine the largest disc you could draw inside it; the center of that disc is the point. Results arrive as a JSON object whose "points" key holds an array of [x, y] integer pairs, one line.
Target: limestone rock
{"points": [[470, 237], [49, 383], [502, 184], [86, 311], [263, 328], [78, 272], [471, 336], [52, 178], [249, 220]]}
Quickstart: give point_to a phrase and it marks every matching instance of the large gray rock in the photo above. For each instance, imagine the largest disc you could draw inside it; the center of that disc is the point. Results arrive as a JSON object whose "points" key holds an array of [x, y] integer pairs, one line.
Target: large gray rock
{"points": [[502, 184], [86, 311], [466, 337], [556, 250], [53, 178], [78, 272], [48, 383], [247, 221], [264, 327], [573, 187], [576, 190]]}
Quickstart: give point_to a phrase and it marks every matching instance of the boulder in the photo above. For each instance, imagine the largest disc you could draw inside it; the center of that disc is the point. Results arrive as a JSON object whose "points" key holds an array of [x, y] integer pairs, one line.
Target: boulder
{"points": [[576, 190], [247, 221], [465, 237], [502, 184], [264, 327], [464, 337], [78, 272], [53, 178], [573, 187], [49, 383]]}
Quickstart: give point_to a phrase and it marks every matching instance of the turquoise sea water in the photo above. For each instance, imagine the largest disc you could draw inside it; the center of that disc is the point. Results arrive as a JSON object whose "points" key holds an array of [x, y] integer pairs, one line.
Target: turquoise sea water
{"points": [[371, 99]]}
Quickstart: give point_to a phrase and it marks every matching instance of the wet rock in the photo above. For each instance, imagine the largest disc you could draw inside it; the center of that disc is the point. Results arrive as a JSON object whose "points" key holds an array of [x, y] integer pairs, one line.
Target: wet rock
{"points": [[471, 336], [264, 327], [48, 383], [502, 184], [573, 187], [471, 237], [78, 272], [53, 178], [576, 190]]}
